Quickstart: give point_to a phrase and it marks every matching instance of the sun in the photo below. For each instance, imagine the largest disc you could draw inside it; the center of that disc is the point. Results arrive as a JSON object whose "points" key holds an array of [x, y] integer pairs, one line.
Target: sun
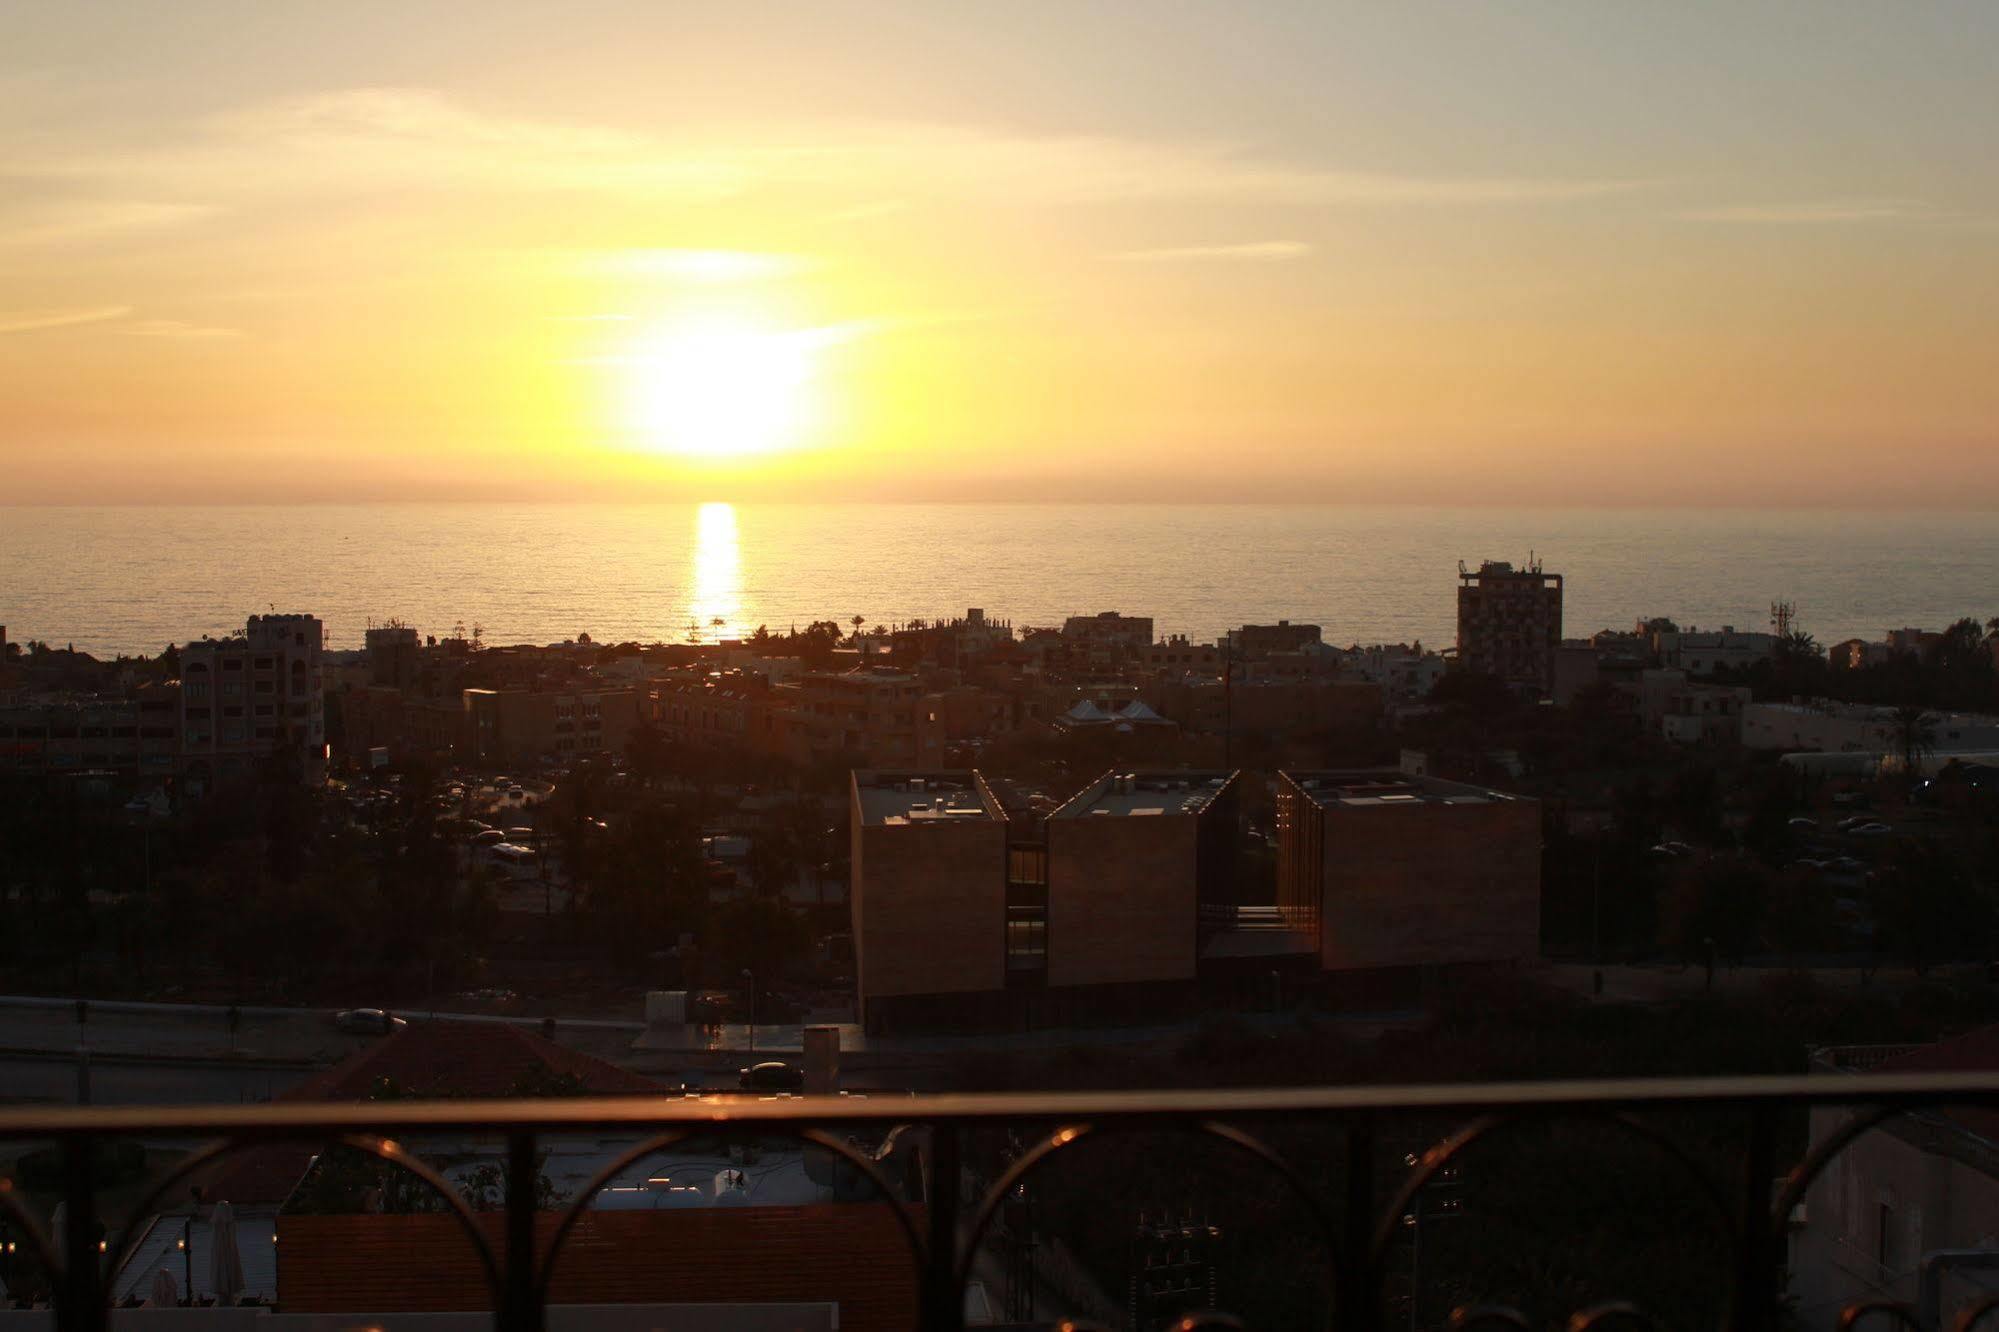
{"points": [[722, 388]]}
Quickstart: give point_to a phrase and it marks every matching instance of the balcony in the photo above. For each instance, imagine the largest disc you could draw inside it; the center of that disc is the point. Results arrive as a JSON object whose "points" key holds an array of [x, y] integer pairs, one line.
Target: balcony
{"points": [[1361, 1185]]}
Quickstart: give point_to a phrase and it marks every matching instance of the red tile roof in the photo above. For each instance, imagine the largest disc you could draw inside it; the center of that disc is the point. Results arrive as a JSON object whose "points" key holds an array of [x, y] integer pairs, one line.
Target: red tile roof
{"points": [[444, 1060]]}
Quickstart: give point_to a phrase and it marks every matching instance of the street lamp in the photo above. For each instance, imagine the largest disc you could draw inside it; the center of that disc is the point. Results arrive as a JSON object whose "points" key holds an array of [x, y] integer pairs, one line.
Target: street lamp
{"points": [[750, 983]]}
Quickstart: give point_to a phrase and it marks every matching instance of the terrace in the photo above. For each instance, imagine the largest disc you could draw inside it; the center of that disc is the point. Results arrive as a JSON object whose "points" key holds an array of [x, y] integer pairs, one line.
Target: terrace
{"points": [[1361, 1202]]}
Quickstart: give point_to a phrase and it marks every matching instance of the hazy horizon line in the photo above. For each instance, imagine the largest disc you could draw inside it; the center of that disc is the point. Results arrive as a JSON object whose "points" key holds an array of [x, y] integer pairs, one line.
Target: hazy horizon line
{"points": [[987, 501]]}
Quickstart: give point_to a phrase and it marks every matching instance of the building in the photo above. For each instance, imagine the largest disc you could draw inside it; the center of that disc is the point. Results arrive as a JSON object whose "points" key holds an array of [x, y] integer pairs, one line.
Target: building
{"points": [[394, 655], [1263, 640], [934, 933], [1854, 728], [1510, 623], [400, 727], [1398, 873], [137, 736], [524, 726], [1688, 712], [978, 904], [1698, 653], [246, 697], [877, 716], [1178, 655], [1919, 1194], [1107, 637], [1276, 709]]}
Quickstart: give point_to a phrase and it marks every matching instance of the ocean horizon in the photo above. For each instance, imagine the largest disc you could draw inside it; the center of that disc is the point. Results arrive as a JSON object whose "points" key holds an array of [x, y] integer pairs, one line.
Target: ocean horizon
{"points": [[112, 579]]}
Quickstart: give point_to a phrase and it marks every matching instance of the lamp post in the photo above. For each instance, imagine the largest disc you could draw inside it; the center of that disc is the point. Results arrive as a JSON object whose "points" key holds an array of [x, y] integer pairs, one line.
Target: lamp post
{"points": [[750, 983]]}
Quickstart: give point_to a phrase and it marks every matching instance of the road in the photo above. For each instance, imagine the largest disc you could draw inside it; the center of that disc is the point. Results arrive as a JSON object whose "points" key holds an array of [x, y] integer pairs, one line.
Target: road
{"points": [[53, 1078]]}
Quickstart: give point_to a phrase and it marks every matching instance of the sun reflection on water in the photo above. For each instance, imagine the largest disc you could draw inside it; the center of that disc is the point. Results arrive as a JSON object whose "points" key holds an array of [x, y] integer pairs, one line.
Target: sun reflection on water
{"points": [[716, 598]]}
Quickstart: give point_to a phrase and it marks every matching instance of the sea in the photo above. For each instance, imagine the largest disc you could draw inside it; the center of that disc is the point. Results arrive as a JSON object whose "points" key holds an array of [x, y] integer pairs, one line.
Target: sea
{"points": [[133, 579]]}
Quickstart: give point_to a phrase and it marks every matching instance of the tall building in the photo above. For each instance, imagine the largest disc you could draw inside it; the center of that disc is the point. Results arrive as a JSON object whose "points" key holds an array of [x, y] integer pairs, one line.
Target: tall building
{"points": [[245, 697], [978, 904], [393, 655], [1510, 622], [1401, 873]]}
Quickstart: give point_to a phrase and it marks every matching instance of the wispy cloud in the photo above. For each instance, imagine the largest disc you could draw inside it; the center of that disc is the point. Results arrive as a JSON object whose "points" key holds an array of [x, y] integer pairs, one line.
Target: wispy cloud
{"points": [[1255, 252], [176, 328], [78, 221], [32, 321], [374, 138], [1828, 212], [702, 267]]}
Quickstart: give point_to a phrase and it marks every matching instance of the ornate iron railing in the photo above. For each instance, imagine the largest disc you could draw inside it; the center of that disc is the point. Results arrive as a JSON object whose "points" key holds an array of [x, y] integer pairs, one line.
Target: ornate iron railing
{"points": [[1359, 1223]]}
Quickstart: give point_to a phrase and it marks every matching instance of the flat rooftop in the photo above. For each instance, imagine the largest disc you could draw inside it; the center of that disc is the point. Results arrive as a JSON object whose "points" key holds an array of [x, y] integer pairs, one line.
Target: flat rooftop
{"points": [[892, 799], [1139, 794], [1380, 787]]}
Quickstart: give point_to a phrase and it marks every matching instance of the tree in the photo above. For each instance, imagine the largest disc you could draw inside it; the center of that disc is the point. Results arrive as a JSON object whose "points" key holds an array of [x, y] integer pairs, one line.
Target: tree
{"points": [[1913, 731]]}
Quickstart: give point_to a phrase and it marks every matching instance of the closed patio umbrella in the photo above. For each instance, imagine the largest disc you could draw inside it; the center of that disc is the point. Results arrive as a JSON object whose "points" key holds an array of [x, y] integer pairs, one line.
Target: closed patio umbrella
{"points": [[225, 1264]]}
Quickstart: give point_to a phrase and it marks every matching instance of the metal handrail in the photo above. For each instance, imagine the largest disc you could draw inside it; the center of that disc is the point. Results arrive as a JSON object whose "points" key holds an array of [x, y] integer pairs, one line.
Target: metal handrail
{"points": [[1753, 1217]]}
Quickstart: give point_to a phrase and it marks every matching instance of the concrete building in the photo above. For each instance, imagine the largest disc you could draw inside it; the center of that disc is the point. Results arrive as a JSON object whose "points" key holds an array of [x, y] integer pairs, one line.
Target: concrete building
{"points": [[1704, 653], [245, 697], [523, 726], [1178, 655], [978, 904], [874, 715], [1106, 638], [1510, 623], [1687, 712], [1261, 640], [132, 737], [929, 894], [1853, 728], [1397, 872], [1918, 1195], [394, 655]]}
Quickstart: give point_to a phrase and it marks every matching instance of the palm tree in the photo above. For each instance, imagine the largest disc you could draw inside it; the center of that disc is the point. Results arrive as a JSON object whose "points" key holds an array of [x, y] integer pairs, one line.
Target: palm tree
{"points": [[1914, 733]]}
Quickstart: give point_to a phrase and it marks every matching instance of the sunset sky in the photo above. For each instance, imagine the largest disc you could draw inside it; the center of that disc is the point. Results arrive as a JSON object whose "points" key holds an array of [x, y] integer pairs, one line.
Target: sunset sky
{"points": [[1441, 253]]}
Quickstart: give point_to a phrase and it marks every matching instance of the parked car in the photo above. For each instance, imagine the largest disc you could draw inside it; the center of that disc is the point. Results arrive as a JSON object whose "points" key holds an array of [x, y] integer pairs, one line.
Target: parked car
{"points": [[1803, 824], [368, 1021], [489, 837], [771, 1075], [1872, 830]]}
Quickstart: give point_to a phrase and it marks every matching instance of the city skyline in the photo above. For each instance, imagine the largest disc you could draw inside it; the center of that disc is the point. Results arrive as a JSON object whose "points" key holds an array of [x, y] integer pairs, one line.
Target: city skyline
{"points": [[1438, 255]]}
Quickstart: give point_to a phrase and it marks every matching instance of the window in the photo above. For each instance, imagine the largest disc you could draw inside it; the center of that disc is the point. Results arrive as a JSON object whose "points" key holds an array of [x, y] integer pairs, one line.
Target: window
{"points": [[265, 709]]}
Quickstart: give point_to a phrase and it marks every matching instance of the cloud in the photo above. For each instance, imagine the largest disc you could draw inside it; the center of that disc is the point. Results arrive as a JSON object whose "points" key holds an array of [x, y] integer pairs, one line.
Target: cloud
{"points": [[83, 221], [368, 139], [702, 267], [31, 321], [177, 328], [1819, 213], [1251, 252]]}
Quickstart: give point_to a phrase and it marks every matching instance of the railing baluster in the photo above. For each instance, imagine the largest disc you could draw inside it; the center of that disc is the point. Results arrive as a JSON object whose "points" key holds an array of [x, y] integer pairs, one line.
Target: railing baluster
{"points": [[82, 1308], [1758, 1260], [523, 1311], [1354, 1295], [943, 1302]]}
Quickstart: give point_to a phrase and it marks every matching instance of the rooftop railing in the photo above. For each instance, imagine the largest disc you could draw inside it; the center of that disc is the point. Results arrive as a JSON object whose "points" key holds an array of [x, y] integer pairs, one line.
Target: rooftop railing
{"points": [[1360, 1222]]}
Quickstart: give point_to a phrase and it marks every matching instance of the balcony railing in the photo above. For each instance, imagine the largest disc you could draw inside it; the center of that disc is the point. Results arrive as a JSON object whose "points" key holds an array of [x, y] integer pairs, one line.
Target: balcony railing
{"points": [[1753, 1203]]}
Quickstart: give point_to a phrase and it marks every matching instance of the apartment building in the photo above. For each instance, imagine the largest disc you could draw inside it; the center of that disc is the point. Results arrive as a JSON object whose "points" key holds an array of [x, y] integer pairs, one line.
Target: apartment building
{"points": [[132, 737], [876, 715], [1510, 623], [521, 726], [245, 697], [977, 903], [1263, 640], [1394, 872]]}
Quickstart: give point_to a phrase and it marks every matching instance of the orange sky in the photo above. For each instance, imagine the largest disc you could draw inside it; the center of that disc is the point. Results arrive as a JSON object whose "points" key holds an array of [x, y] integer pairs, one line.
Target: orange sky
{"points": [[1560, 253]]}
